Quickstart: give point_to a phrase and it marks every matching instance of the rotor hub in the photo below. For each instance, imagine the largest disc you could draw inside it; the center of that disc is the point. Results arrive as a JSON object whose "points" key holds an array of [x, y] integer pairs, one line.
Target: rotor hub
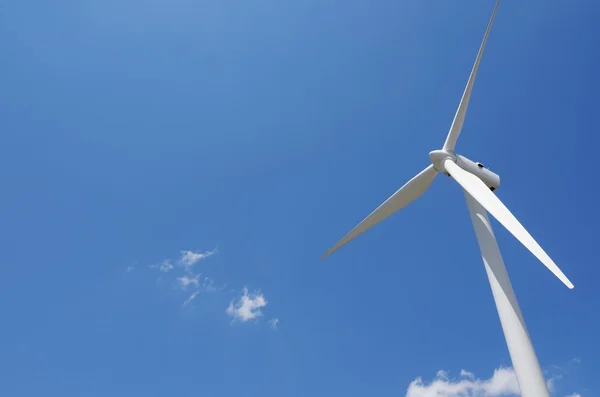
{"points": [[438, 157]]}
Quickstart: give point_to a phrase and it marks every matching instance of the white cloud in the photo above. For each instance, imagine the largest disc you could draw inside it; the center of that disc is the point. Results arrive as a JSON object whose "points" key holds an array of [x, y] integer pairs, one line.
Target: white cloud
{"points": [[274, 323], [248, 306], [502, 383], [165, 266], [190, 258], [209, 285], [186, 281], [129, 269], [191, 298], [552, 381]]}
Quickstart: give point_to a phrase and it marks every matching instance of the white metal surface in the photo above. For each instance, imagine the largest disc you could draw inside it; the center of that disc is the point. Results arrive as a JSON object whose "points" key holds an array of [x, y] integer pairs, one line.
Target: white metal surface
{"points": [[490, 179], [438, 157], [477, 183], [494, 206], [408, 193], [461, 112], [522, 354]]}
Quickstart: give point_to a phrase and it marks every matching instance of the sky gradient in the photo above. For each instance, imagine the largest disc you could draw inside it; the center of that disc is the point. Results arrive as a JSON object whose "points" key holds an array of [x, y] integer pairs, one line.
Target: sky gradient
{"points": [[173, 170]]}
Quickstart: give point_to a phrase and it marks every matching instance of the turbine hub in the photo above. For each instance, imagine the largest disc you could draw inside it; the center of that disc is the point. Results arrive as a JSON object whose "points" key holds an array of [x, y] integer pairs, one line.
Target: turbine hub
{"points": [[438, 157]]}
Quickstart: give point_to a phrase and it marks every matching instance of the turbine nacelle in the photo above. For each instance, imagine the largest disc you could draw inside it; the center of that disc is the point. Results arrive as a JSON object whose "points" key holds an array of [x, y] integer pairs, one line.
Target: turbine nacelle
{"points": [[490, 179], [439, 157]]}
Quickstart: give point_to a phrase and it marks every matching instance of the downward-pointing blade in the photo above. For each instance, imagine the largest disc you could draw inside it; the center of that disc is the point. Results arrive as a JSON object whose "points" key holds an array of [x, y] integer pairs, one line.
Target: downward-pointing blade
{"points": [[461, 112], [480, 192], [408, 193]]}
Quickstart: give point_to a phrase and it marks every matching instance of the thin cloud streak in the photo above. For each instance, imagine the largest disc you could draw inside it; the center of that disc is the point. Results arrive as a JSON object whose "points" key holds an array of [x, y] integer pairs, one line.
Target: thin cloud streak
{"points": [[165, 266], [190, 258], [191, 298]]}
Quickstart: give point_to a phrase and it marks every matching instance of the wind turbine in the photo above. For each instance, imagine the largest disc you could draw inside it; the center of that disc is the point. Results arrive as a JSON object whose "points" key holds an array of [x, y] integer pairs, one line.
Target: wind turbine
{"points": [[478, 184]]}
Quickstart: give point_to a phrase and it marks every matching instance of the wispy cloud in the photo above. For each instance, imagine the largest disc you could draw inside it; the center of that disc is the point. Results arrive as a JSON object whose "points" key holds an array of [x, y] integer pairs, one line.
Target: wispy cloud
{"points": [[248, 307], [191, 298], [467, 374], [208, 285], [129, 269], [165, 266], [558, 372], [190, 258], [186, 281], [274, 323]]}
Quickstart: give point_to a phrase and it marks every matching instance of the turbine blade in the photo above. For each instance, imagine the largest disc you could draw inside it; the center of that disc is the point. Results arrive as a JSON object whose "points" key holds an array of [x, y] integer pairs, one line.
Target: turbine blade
{"points": [[480, 192], [459, 117], [408, 193]]}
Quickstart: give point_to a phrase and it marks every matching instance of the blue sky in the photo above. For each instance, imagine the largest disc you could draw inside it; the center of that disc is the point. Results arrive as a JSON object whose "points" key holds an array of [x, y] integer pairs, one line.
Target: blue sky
{"points": [[261, 132]]}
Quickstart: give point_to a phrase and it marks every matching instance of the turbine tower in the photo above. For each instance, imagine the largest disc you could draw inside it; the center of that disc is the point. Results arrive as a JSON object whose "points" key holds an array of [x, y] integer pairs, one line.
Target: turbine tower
{"points": [[478, 184]]}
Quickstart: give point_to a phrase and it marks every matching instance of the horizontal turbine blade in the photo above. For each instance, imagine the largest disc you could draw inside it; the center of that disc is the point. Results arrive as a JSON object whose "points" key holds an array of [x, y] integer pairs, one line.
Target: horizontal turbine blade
{"points": [[459, 117], [480, 192], [408, 193]]}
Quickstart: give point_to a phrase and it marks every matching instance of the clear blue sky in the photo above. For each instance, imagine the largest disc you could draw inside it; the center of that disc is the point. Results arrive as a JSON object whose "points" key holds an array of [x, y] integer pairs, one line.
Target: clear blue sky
{"points": [[133, 130]]}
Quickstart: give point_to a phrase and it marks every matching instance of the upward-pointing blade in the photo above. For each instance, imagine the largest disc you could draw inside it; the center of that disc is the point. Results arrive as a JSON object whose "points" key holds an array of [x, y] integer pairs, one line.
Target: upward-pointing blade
{"points": [[408, 193], [480, 192], [459, 117]]}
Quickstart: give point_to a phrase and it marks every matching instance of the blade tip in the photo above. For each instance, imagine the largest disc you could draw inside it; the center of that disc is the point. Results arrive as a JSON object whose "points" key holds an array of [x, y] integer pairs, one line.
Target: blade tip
{"points": [[567, 282], [331, 250], [326, 254]]}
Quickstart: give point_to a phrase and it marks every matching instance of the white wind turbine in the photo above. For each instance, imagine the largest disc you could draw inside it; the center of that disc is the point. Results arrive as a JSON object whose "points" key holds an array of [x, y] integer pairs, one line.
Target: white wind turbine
{"points": [[478, 184]]}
